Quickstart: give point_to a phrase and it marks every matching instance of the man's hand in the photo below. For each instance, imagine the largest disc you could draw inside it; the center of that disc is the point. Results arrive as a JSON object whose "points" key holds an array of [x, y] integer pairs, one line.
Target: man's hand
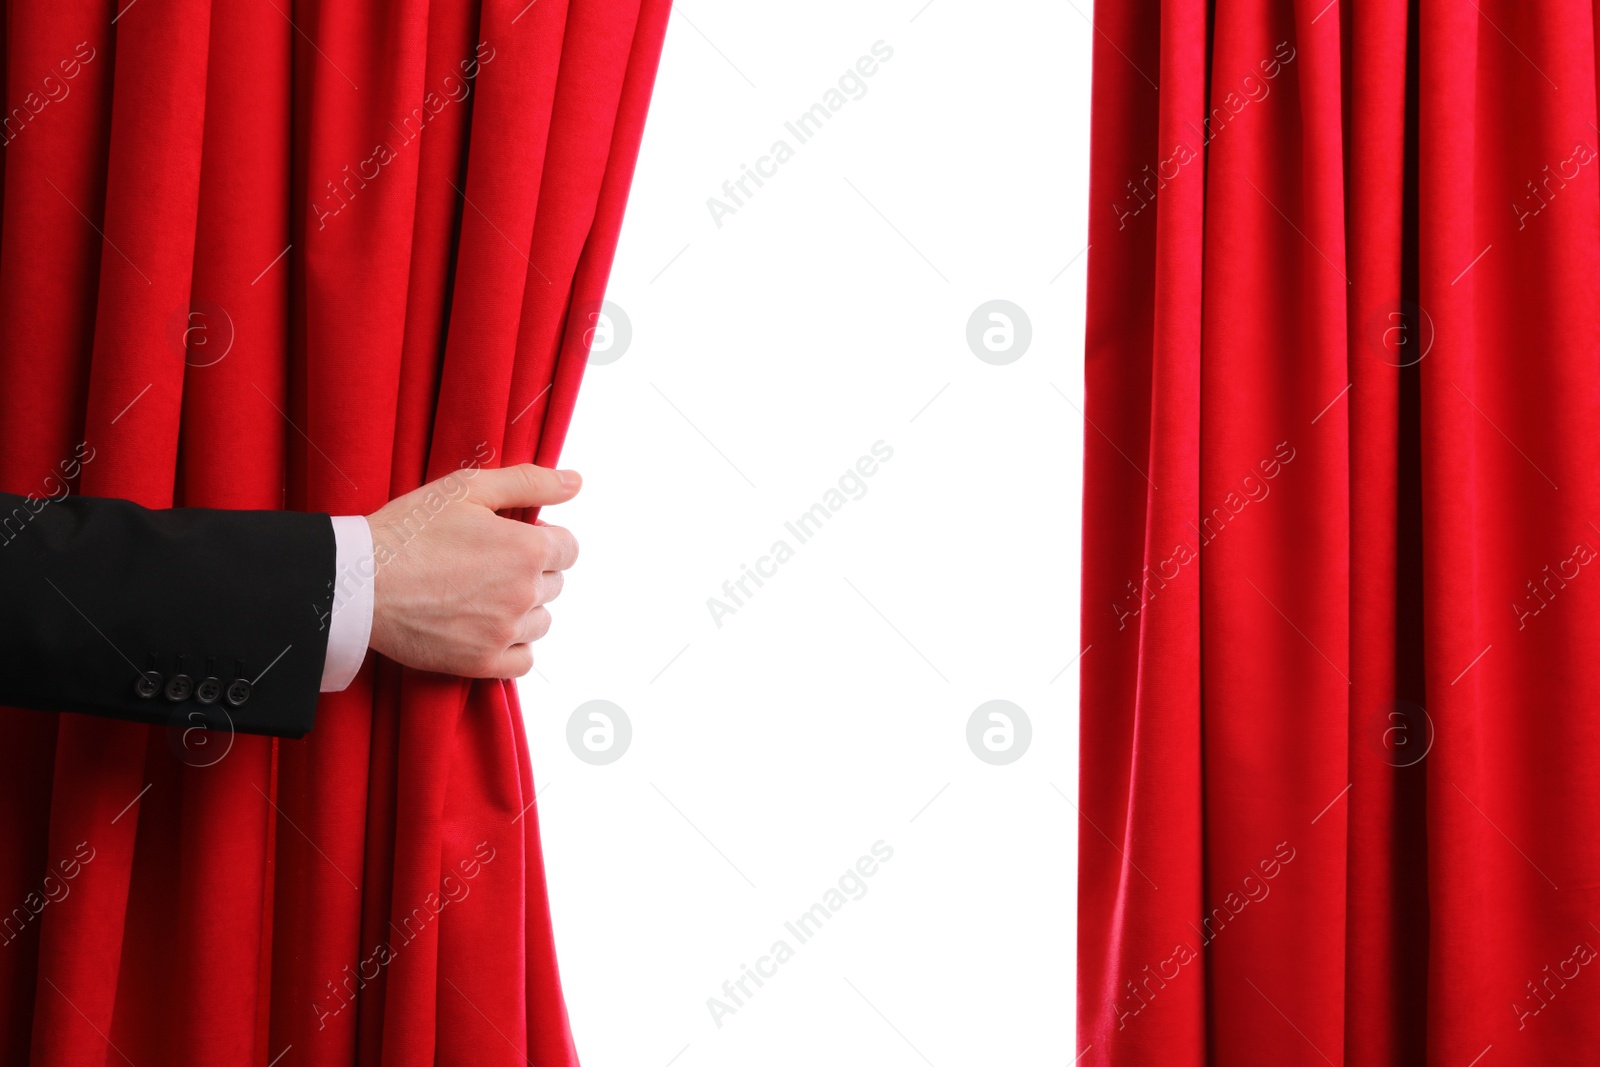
{"points": [[460, 590]]}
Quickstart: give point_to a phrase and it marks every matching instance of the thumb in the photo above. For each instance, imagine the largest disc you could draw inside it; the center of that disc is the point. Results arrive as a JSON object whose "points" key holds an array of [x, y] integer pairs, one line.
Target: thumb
{"points": [[522, 486]]}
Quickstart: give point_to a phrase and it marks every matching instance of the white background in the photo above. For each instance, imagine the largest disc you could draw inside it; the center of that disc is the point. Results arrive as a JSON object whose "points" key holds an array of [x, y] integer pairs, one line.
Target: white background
{"points": [[830, 711]]}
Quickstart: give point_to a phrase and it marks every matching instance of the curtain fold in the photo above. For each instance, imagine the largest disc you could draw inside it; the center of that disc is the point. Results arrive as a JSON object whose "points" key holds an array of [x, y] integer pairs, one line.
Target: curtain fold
{"points": [[296, 255], [1338, 689]]}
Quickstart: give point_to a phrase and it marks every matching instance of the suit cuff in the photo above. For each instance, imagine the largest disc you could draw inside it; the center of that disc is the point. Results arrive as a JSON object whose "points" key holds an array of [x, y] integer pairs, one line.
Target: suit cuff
{"points": [[350, 628]]}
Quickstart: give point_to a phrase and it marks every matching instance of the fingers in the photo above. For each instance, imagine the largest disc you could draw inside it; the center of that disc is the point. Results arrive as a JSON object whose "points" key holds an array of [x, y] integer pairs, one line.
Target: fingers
{"points": [[522, 486], [520, 618], [548, 587], [534, 625], [514, 662], [550, 548], [471, 601], [517, 660]]}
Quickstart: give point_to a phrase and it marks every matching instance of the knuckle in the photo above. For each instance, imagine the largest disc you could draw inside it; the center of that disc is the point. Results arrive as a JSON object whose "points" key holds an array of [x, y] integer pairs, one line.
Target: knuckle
{"points": [[508, 620], [563, 548], [537, 481], [510, 606], [522, 588], [527, 476], [483, 664], [538, 623], [535, 549]]}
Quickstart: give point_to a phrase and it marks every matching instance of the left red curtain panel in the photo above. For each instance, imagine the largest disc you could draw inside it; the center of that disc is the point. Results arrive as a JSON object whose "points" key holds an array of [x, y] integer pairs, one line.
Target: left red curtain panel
{"points": [[295, 255]]}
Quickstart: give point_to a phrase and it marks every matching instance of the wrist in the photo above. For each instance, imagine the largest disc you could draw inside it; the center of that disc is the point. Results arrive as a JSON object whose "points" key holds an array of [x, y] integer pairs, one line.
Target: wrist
{"points": [[382, 555], [351, 613]]}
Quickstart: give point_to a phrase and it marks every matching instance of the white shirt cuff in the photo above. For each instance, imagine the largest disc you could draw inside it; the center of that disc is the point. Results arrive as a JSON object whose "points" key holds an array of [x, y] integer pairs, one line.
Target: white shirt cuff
{"points": [[350, 628]]}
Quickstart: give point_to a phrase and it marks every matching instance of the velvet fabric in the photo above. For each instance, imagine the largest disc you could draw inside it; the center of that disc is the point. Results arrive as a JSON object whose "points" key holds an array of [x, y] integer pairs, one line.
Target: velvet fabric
{"points": [[1339, 694], [304, 255]]}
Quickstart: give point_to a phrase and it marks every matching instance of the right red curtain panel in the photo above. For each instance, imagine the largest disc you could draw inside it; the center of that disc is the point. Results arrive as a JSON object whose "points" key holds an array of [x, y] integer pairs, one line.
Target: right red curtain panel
{"points": [[1340, 742]]}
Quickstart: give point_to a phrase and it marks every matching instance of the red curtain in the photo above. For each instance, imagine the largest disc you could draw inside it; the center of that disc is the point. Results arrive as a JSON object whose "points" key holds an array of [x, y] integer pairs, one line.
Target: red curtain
{"points": [[1339, 695], [310, 255]]}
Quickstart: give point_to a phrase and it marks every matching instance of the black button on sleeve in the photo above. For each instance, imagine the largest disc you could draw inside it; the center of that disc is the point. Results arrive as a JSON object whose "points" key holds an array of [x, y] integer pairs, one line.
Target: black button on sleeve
{"points": [[179, 686]]}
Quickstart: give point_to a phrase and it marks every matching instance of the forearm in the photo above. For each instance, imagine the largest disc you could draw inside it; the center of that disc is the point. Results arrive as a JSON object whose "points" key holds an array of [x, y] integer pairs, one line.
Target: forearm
{"points": [[110, 609], [236, 619]]}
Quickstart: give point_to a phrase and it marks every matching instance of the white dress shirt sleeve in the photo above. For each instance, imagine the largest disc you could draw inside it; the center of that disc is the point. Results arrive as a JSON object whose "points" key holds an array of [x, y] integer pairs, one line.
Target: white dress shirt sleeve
{"points": [[350, 627]]}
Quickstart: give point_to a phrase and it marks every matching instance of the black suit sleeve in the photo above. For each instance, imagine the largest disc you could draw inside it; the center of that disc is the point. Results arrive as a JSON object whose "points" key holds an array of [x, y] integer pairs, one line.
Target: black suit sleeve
{"points": [[185, 616]]}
